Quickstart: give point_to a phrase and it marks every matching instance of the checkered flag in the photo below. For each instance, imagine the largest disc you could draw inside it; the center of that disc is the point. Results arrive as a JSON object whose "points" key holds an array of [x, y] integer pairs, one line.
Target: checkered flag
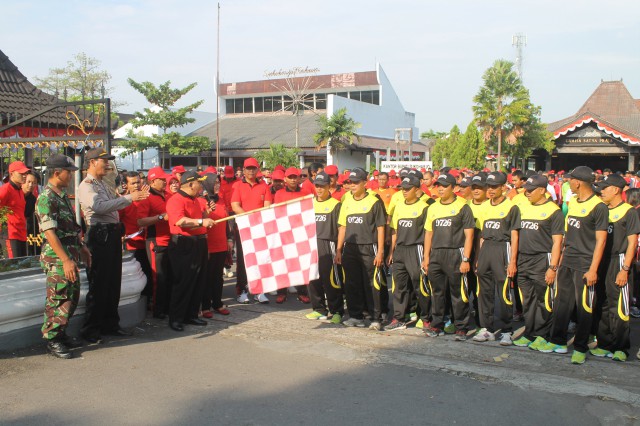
{"points": [[279, 244]]}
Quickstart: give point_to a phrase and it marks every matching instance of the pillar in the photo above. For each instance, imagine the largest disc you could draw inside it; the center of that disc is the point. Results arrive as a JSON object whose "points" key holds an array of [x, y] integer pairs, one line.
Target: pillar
{"points": [[631, 162]]}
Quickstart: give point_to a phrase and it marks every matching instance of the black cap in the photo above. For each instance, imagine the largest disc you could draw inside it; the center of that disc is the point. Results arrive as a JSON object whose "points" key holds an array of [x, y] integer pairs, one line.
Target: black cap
{"points": [[445, 169], [445, 179], [479, 180], [529, 173], [190, 176], [584, 174], [536, 181], [404, 171], [357, 175], [612, 180], [465, 182], [416, 173], [496, 178], [321, 179], [59, 161], [95, 153], [410, 181]]}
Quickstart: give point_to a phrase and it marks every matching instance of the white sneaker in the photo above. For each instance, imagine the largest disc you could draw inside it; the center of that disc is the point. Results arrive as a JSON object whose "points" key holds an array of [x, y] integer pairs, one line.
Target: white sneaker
{"points": [[243, 298], [484, 335], [375, 325], [261, 298], [505, 340], [354, 322]]}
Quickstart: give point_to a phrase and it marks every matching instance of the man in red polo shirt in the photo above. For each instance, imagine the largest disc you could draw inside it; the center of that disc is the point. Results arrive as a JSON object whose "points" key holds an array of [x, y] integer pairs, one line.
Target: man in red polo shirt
{"points": [[152, 215], [226, 186], [188, 224], [129, 217], [11, 196], [291, 191], [248, 194]]}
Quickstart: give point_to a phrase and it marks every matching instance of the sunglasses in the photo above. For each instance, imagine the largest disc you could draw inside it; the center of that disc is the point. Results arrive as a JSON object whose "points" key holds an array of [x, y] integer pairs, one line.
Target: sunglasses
{"points": [[303, 175]]}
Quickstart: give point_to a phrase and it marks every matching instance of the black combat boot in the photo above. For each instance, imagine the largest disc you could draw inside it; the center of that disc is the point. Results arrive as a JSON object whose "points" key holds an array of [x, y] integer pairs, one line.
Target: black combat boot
{"points": [[58, 349]]}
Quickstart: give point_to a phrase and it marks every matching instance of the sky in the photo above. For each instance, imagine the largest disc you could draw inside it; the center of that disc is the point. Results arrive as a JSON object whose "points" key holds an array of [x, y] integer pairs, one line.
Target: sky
{"points": [[434, 52]]}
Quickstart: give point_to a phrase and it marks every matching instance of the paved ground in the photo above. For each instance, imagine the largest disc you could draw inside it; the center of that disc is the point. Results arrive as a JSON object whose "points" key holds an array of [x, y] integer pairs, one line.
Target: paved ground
{"points": [[266, 364]]}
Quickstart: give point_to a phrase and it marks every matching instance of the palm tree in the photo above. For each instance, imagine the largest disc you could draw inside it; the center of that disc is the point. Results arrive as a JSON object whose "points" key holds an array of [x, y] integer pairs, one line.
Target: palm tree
{"points": [[278, 154], [502, 106], [336, 132]]}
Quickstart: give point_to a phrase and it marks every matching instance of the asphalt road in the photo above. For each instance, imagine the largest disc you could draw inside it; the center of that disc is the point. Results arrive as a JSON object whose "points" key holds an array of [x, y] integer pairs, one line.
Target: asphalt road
{"points": [[266, 364]]}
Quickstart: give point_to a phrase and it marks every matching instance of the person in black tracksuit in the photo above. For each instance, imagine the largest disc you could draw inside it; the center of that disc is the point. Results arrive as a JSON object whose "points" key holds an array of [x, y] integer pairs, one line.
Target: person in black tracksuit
{"points": [[586, 234], [624, 226], [448, 241], [541, 231], [360, 251], [479, 196], [406, 254], [326, 292], [497, 259]]}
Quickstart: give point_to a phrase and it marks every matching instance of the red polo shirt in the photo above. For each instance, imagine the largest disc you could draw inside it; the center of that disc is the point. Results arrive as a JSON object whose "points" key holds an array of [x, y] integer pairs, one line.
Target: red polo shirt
{"points": [[181, 205], [250, 196], [308, 186], [217, 235], [11, 196], [285, 194], [129, 217], [338, 193], [155, 205], [226, 191]]}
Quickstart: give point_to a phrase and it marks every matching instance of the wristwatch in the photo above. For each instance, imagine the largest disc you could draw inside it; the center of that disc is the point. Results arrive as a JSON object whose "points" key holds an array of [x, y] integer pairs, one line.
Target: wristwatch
{"points": [[160, 217], [554, 268], [626, 268], [465, 259], [200, 222]]}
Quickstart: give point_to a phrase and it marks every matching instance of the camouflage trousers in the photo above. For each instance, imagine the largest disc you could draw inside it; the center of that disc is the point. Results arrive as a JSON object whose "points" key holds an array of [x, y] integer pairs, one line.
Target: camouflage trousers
{"points": [[62, 294]]}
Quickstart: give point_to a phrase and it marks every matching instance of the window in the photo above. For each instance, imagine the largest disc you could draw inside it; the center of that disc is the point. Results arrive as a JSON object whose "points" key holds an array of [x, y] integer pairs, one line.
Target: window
{"points": [[277, 103], [258, 104], [343, 94], [229, 106], [308, 102], [238, 106], [354, 95], [268, 104], [366, 96], [248, 105], [321, 101], [376, 97]]}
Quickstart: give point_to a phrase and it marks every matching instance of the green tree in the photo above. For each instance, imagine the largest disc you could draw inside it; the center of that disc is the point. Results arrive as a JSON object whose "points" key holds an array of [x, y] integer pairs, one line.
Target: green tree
{"points": [[444, 147], [278, 154], [336, 132], [502, 106], [163, 97], [80, 79], [470, 150], [431, 134], [535, 135]]}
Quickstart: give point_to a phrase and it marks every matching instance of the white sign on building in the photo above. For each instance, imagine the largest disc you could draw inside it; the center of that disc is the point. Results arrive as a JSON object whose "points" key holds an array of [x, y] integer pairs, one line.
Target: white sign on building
{"points": [[386, 166]]}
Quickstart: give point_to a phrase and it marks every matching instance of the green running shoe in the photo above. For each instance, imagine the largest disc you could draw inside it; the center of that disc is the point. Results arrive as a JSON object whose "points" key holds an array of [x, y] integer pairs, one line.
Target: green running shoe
{"points": [[578, 357], [315, 315], [413, 317], [420, 324], [552, 347], [336, 319], [619, 356], [449, 328], [536, 344], [600, 353], [523, 342]]}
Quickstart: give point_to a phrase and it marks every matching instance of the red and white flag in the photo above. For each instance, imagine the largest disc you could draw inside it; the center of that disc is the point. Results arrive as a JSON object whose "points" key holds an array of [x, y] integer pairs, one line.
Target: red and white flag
{"points": [[279, 244]]}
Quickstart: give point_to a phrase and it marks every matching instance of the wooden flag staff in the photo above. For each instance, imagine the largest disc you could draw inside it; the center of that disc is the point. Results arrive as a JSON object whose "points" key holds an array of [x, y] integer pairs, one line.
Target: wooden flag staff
{"points": [[284, 203]]}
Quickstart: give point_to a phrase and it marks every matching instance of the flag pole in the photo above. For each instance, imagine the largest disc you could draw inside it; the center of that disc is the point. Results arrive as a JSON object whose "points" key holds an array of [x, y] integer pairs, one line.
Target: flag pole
{"points": [[218, 95], [284, 203]]}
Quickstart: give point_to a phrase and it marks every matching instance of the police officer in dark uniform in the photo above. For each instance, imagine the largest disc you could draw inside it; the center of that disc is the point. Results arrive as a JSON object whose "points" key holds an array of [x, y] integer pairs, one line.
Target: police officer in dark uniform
{"points": [[100, 206]]}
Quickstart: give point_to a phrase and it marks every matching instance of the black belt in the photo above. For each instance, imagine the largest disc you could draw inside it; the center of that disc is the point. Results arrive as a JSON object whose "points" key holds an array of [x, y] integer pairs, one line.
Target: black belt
{"points": [[109, 226], [177, 237]]}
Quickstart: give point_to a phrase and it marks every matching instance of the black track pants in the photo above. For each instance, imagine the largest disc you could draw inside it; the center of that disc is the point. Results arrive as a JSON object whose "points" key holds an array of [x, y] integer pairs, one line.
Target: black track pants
{"points": [[533, 287], [407, 281], [327, 290], [492, 278], [444, 275]]}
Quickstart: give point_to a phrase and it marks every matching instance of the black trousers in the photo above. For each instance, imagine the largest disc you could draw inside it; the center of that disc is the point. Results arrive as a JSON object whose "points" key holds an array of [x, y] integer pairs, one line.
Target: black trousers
{"points": [[212, 294], [492, 278], [16, 248], [105, 278], [533, 287], [160, 275], [408, 282], [141, 256], [572, 293], [444, 275], [326, 292], [365, 285], [241, 270], [188, 257], [613, 328]]}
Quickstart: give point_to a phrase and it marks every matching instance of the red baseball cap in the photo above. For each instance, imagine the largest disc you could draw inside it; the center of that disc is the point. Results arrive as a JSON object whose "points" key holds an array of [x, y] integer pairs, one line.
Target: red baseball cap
{"points": [[178, 169], [376, 173], [210, 169], [277, 175], [18, 166], [331, 169], [251, 162], [341, 179], [156, 173], [279, 167], [292, 171], [228, 172], [455, 173], [392, 172]]}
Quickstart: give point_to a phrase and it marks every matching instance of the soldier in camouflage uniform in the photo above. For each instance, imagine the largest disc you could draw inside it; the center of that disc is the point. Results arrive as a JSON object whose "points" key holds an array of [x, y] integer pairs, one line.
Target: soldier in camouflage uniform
{"points": [[60, 254]]}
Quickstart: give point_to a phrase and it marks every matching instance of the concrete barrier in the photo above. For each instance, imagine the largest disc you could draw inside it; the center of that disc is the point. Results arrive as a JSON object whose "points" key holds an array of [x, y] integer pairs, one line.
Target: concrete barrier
{"points": [[23, 294]]}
